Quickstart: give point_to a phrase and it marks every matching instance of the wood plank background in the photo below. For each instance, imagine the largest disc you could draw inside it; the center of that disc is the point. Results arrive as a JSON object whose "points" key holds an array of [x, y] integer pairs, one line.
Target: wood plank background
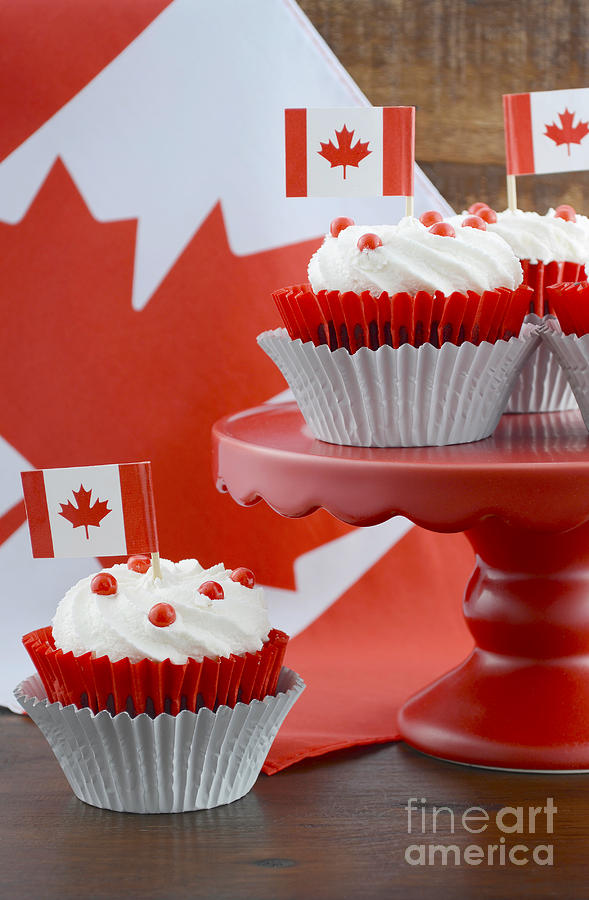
{"points": [[453, 60]]}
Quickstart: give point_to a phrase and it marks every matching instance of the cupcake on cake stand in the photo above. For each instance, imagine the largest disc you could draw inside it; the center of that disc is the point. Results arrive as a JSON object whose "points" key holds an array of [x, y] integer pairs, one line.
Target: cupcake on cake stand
{"points": [[521, 497]]}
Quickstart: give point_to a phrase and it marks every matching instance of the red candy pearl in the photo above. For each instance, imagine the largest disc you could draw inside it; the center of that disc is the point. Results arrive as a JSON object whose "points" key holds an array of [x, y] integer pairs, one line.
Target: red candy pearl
{"points": [[474, 222], [139, 564], [104, 583], [430, 217], [162, 615], [565, 212], [487, 214], [212, 590], [243, 576], [369, 242], [340, 224], [476, 207], [444, 229]]}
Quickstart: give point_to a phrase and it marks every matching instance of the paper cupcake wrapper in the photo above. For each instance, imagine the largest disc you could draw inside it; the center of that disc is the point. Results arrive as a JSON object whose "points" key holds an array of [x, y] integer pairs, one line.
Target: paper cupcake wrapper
{"points": [[539, 276], [570, 303], [572, 353], [409, 397], [167, 764], [352, 321], [154, 687], [542, 385]]}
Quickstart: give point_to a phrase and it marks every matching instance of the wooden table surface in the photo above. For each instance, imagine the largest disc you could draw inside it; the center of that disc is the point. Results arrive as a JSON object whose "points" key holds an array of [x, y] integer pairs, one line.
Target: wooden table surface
{"points": [[331, 828]]}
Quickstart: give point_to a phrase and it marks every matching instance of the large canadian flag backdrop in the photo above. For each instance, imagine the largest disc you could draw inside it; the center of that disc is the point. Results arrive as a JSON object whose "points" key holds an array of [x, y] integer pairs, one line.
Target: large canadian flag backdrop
{"points": [[143, 226]]}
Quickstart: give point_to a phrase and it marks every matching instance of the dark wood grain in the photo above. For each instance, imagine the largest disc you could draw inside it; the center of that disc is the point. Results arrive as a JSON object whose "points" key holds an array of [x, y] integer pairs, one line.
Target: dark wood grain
{"points": [[329, 828], [453, 60]]}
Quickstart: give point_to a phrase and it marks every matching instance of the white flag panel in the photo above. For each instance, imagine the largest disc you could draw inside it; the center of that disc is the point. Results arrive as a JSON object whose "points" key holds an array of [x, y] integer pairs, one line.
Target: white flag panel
{"points": [[106, 539]]}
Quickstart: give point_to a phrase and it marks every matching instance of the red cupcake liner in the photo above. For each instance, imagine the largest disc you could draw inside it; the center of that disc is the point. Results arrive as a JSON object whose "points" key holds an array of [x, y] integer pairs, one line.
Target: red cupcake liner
{"points": [[570, 305], [539, 276], [353, 320], [154, 687]]}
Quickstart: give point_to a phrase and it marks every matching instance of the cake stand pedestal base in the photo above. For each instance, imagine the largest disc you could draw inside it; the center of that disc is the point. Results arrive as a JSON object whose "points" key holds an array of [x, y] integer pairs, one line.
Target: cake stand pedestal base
{"points": [[521, 699]]}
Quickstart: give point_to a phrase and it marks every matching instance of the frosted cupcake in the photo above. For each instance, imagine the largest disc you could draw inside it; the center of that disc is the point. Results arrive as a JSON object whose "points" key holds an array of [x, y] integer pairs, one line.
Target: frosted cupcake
{"points": [[124, 640], [570, 343], [186, 666], [553, 248], [406, 334], [408, 283]]}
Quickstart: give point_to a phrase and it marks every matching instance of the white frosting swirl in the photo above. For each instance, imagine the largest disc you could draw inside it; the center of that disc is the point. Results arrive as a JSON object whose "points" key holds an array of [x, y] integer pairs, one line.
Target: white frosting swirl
{"points": [[539, 238], [581, 222], [413, 259], [118, 626]]}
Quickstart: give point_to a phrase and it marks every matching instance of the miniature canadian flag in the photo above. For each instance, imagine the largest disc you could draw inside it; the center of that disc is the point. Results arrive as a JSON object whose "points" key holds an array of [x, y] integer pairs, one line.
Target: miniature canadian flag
{"points": [[358, 152], [546, 131], [91, 510]]}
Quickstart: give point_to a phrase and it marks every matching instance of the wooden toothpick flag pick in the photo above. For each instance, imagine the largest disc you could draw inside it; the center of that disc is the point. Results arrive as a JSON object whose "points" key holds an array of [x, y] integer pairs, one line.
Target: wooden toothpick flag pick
{"points": [[358, 152], [92, 511], [545, 131]]}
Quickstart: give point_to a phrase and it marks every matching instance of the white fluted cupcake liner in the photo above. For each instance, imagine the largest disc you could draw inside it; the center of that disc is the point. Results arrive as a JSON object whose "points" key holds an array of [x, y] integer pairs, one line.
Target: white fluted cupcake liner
{"points": [[542, 386], [166, 764], [405, 397], [572, 354]]}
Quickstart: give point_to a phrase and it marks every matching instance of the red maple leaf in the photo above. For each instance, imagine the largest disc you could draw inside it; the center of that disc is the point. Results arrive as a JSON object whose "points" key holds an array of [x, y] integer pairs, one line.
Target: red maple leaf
{"points": [[344, 154], [103, 29], [567, 134], [150, 383], [83, 515]]}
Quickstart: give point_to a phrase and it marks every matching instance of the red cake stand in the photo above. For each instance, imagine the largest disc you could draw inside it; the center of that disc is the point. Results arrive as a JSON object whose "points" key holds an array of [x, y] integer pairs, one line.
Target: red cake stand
{"points": [[521, 497]]}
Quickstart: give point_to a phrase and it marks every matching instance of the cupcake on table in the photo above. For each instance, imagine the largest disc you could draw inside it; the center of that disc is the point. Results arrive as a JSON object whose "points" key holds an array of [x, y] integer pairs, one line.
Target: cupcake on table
{"points": [[405, 335], [552, 249], [159, 685], [160, 694]]}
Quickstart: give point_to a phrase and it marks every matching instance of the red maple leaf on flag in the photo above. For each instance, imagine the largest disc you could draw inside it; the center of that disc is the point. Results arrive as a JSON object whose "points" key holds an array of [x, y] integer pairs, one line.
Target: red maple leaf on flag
{"points": [[344, 154], [567, 134], [83, 515], [148, 383]]}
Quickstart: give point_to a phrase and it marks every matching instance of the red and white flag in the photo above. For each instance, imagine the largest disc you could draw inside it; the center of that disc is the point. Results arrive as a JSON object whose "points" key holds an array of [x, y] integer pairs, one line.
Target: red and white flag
{"points": [[358, 152], [546, 131], [91, 510]]}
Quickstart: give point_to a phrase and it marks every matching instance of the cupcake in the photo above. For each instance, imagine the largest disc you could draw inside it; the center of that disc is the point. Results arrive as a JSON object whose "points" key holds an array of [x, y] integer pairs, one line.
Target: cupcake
{"points": [[185, 669], [552, 249], [405, 335], [569, 343]]}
